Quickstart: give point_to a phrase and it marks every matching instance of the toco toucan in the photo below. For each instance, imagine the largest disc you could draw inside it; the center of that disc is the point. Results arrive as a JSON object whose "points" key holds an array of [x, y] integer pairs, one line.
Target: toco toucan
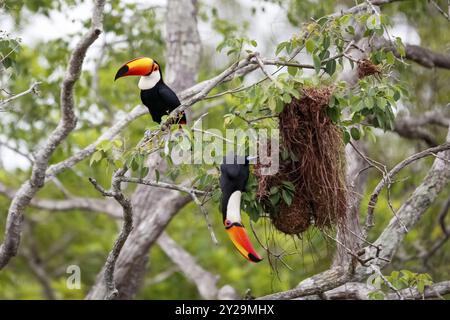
{"points": [[233, 179], [155, 94]]}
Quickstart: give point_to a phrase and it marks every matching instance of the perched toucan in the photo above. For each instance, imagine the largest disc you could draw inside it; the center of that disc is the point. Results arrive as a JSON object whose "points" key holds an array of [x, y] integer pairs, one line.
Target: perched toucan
{"points": [[233, 179], [155, 94]]}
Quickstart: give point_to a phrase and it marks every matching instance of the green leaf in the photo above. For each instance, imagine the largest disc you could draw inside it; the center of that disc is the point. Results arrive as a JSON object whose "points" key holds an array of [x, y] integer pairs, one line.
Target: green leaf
{"points": [[346, 137], [287, 98], [292, 70], [326, 42], [376, 295], [105, 145], [368, 102], [289, 185], [350, 30], [390, 58], [334, 114], [310, 45], [96, 156], [287, 197], [330, 67], [274, 190], [274, 199], [118, 143], [281, 46], [317, 63], [355, 133]]}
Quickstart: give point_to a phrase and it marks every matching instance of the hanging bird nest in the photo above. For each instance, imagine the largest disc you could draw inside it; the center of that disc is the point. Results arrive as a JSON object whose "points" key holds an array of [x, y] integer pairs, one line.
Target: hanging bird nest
{"points": [[316, 166], [368, 68]]}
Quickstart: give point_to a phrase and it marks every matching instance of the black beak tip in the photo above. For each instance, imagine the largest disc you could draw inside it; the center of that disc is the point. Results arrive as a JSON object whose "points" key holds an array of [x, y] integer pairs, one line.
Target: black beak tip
{"points": [[121, 72], [253, 258]]}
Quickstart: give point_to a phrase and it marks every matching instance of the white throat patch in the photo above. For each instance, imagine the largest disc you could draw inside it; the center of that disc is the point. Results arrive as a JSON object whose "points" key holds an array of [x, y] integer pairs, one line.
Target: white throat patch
{"points": [[148, 82], [234, 207]]}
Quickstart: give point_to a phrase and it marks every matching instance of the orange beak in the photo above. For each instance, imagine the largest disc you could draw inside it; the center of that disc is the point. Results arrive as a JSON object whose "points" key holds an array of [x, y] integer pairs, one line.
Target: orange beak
{"points": [[241, 241], [137, 67]]}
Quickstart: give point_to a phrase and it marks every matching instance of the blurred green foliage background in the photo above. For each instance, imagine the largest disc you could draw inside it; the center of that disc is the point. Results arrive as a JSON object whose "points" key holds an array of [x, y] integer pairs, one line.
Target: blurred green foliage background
{"points": [[136, 29]]}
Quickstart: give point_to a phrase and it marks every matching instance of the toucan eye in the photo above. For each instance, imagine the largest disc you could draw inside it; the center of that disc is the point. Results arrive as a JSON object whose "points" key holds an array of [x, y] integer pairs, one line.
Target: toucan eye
{"points": [[228, 223]]}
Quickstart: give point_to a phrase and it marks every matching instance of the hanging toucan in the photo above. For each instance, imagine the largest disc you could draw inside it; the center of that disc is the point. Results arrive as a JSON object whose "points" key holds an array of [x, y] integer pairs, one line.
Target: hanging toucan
{"points": [[233, 179], [155, 94]]}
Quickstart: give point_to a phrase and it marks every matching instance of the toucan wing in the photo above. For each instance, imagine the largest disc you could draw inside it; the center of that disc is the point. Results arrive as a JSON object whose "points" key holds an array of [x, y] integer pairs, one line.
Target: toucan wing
{"points": [[169, 97], [171, 100]]}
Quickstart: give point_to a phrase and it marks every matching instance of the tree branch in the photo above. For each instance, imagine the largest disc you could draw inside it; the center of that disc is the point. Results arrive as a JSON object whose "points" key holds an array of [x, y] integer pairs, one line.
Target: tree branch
{"points": [[388, 178], [127, 227], [32, 89]]}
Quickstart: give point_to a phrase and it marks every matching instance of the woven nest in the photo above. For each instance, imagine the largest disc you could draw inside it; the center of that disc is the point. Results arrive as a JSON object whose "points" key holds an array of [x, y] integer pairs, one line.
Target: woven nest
{"points": [[367, 68], [316, 166]]}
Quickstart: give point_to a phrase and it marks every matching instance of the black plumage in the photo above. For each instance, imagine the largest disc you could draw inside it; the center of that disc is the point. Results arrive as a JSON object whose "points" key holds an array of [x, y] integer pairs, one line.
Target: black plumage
{"points": [[233, 177], [160, 101]]}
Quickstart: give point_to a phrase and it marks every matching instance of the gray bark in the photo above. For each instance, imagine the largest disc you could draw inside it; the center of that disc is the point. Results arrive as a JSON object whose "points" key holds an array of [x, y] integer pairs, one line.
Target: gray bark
{"points": [[349, 234]]}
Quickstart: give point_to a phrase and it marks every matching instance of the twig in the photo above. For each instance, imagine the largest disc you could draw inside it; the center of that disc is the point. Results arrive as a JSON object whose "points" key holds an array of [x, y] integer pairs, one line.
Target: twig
{"points": [[387, 282], [278, 256], [441, 11], [160, 184], [191, 191], [260, 63], [205, 213], [386, 180], [32, 89]]}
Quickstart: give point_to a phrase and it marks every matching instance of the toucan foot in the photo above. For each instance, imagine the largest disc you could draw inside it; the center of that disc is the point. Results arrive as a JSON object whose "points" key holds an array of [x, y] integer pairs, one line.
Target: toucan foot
{"points": [[147, 133]]}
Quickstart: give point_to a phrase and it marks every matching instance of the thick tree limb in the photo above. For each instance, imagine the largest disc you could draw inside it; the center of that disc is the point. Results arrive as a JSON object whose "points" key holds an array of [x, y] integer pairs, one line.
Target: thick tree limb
{"points": [[349, 233], [316, 284], [360, 291], [66, 124], [421, 55]]}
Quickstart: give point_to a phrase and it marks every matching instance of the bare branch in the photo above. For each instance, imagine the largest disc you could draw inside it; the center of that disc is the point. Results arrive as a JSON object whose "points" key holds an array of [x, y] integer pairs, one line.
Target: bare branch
{"points": [[391, 174], [440, 10], [436, 290], [127, 227], [360, 291], [32, 89], [316, 284], [161, 184]]}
